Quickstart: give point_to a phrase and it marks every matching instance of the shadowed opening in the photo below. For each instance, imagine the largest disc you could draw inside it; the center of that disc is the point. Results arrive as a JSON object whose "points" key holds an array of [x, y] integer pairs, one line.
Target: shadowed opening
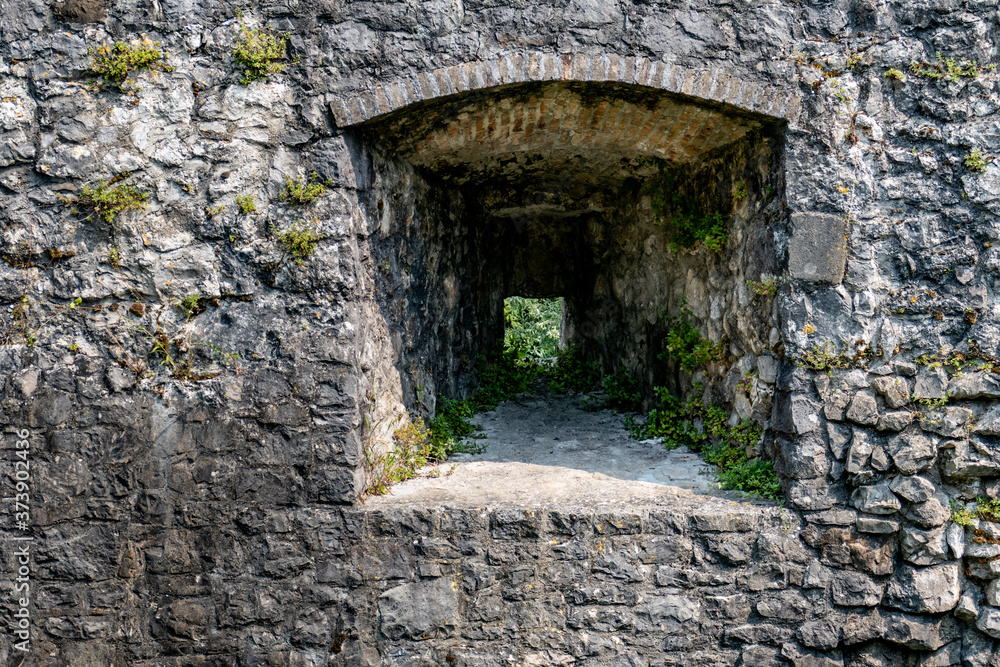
{"points": [[582, 191]]}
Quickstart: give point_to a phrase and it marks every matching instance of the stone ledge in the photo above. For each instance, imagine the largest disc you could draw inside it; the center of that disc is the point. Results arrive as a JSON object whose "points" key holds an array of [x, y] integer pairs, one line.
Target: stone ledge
{"points": [[712, 84]]}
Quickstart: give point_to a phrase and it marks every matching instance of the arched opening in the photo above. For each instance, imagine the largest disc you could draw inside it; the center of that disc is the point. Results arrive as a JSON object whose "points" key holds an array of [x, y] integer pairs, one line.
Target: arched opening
{"points": [[586, 191]]}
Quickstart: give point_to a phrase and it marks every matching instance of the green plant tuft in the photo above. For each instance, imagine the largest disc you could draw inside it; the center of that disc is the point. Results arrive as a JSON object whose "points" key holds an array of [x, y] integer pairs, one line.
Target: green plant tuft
{"points": [[191, 305], [246, 204], [703, 429], [258, 52], [306, 191], [895, 74], [114, 64], [767, 287], [685, 345], [300, 240], [685, 223], [975, 160], [949, 69], [109, 201], [824, 358], [623, 391]]}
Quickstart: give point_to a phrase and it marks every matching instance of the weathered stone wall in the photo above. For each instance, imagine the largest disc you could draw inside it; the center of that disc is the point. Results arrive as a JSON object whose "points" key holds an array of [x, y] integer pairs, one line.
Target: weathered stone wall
{"points": [[161, 506]]}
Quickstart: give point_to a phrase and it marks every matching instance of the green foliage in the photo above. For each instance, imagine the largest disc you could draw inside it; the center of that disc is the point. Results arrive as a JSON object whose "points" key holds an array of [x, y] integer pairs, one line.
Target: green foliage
{"points": [[109, 201], [767, 287], [975, 161], [451, 428], [986, 509], [114, 257], [191, 305], [954, 362], [258, 51], [961, 514], [623, 391], [304, 192], [824, 358], [685, 223], [504, 377], [113, 64], [532, 326], [410, 452], [703, 429], [893, 73], [299, 240], [246, 204], [949, 69], [572, 372], [685, 345]]}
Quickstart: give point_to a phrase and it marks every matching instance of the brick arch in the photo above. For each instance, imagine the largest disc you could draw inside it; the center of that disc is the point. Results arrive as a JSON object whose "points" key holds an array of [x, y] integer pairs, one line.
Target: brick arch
{"points": [[711, 84]]}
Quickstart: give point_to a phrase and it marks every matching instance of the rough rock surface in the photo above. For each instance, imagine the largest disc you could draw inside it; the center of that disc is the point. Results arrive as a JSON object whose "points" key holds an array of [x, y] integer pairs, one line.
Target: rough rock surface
{"points": [[193, 506]]}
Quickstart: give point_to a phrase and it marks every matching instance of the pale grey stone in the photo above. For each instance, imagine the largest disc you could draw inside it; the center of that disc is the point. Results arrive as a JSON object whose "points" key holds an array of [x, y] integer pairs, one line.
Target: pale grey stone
{"points": [[895, 391], [930, 513], [914, 632], [822, 634], [859, 452], [966, 609], [912, 452], [894, 421], [876, 526], [419, 609], [924, 547], [661, 609], [817, 251], [914, 489], [932, 383], [879, 459], [876, 499], [974, 385], [816, 575], [767, 369], [989, 621], [955, 537], [838, 437], [949, 422], [854, 589], [835, 405], [863, 409], [929, 590]]}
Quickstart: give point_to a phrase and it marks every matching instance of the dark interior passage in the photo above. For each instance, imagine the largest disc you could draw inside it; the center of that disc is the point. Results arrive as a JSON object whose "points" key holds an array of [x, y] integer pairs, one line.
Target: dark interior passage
{"points": [[544, 190]]}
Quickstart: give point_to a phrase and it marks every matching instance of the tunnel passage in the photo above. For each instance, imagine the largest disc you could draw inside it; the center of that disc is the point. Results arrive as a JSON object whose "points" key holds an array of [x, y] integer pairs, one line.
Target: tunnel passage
{"points": [[543, 189]]}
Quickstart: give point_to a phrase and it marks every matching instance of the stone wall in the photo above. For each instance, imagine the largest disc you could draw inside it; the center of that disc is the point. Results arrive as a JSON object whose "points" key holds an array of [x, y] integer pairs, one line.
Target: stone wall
{"points": [[181, 506]]}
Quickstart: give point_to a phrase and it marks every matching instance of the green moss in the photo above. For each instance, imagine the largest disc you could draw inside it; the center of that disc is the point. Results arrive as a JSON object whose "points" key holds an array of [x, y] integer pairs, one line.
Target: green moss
{"points": [[115, 63], [109, 202]]}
